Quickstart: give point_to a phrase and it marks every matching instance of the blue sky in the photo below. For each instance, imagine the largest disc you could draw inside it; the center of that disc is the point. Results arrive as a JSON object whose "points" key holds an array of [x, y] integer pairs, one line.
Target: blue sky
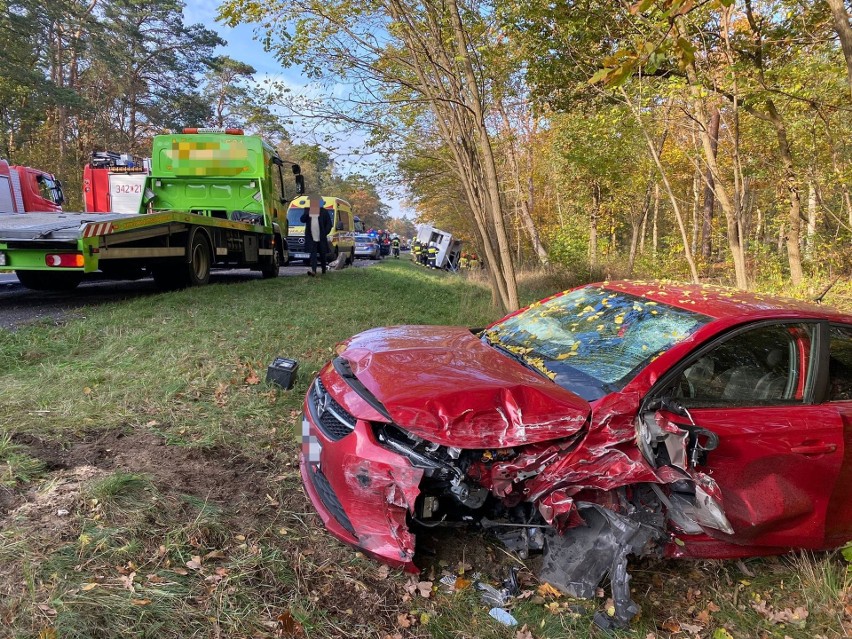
{"points": [[243, 46]]}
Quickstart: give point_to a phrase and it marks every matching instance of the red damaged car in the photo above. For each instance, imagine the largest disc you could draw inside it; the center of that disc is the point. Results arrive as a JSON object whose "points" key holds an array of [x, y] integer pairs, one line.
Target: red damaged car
{"points": [[613, 419]]}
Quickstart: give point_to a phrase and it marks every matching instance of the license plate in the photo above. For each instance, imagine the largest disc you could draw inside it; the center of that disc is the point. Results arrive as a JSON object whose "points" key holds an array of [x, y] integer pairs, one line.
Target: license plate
{"points": [[301, 256], [311, 446]]}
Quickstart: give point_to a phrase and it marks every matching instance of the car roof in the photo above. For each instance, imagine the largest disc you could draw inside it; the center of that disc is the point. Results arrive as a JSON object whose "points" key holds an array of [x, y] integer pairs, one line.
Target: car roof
{"points": [[723, 303]]}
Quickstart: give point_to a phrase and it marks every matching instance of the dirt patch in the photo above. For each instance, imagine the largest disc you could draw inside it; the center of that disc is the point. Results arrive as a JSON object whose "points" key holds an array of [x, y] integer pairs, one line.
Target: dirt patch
{"points": [[51, 507], [222, 476]]}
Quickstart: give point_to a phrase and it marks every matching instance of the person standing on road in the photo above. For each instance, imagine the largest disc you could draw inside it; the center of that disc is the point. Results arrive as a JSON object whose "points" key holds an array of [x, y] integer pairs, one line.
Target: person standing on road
{"points": [[317, 227]]}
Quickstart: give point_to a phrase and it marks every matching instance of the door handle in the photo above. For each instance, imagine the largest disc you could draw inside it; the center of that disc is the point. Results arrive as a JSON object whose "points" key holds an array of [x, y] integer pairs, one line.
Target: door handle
{"points": [[814, 449]]}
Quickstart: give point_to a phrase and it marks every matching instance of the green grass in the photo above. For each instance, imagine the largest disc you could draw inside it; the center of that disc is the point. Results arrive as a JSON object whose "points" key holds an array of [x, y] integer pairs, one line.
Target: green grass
{"points": [[182, 359], [185, 514], [16, 467]]}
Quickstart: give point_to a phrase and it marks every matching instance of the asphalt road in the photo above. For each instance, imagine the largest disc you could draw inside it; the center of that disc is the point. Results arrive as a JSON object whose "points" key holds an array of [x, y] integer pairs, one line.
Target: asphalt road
{"points": [[19, 305]]}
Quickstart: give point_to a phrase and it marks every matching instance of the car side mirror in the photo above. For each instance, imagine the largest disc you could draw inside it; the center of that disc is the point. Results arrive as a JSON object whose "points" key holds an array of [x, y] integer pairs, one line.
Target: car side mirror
{"points": [[59, 195]]}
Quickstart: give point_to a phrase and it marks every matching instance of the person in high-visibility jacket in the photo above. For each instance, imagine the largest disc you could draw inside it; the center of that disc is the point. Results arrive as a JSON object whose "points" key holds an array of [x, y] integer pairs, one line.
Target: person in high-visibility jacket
{"points": [[415, 251], [432, 255], [464, 262], [474, 262]]}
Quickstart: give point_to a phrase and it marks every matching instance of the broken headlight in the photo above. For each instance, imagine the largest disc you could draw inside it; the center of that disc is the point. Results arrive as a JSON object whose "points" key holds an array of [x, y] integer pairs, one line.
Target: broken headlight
{"points": [[440, 463]]}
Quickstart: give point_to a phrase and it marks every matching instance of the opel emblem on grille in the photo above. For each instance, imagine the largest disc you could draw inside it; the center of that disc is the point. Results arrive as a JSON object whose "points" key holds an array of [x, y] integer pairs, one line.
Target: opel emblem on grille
{"points": [[322, 405]]}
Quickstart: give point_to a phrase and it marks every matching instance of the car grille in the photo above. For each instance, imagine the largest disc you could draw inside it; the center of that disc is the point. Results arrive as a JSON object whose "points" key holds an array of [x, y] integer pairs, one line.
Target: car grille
{"points": [[296, 243], [332, 419], [329, 499]]}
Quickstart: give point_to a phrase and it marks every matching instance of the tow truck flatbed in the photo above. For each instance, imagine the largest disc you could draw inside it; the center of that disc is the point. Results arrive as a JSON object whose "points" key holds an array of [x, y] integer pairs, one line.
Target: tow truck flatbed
{"points": [[211, 200]]}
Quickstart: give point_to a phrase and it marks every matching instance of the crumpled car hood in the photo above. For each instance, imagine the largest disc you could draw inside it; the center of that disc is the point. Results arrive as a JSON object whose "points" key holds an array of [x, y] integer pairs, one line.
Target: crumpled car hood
{"points": [[446, 386]]}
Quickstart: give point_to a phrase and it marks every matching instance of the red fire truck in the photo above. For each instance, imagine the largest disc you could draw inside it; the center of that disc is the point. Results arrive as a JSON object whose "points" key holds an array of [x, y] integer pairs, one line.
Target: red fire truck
{"points": [[114, 183], [27, 190]]}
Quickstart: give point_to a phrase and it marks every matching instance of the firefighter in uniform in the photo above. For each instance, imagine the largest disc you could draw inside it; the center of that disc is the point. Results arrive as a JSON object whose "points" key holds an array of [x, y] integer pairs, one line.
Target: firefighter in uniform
{"points": [[395, 246], [463, 262], [432, 255], [474, 262], [415, 251]]}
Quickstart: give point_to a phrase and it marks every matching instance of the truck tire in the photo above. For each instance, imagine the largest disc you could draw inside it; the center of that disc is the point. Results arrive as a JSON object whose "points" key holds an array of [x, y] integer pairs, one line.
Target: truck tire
{"points": [[171, 276], [270, 270], [50, 280], [200, 260]]}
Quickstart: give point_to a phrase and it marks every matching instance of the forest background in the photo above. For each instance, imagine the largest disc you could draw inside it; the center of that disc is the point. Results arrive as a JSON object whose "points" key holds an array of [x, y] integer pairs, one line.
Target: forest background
{"points": [[697, 140], [80, 76]]}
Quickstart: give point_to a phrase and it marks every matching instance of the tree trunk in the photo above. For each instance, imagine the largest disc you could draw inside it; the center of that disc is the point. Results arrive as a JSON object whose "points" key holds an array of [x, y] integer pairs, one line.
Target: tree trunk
{"points": [[526, 202], [694, 223], [844, 32], [709, 192], [655, 237], [504, 263], [687, 252], [593, 229], [812, 221], [725, 202], [794, 216]]}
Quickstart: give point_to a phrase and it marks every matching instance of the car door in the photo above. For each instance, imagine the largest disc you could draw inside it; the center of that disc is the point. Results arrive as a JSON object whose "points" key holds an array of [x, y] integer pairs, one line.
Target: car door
{"points": [[779, 453], [839, 397]]}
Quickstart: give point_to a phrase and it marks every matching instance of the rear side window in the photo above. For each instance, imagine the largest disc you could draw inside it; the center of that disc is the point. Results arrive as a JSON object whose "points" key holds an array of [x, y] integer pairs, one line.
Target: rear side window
{"points": [[840, 364], [343, 218]]}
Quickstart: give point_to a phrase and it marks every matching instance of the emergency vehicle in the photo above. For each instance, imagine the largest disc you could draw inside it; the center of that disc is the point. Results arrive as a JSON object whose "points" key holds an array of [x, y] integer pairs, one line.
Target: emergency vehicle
{"points": [[114, 182], [215, 197], [341, 240], [24, 190], [449, 249]]}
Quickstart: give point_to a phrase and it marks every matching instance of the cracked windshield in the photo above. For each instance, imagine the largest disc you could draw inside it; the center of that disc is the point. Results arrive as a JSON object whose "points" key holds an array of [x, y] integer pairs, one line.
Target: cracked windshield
{"points": [[592, 340]]}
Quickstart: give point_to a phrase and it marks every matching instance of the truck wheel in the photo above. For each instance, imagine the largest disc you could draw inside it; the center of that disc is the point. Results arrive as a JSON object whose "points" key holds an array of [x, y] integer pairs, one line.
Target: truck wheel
{"points": [[198, 269], [50, 280], [174, 275], [271, 270]]}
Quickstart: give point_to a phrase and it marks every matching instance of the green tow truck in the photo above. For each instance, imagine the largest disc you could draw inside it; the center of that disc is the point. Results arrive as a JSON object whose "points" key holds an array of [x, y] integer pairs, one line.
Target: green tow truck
{"points": [[215, 197]]}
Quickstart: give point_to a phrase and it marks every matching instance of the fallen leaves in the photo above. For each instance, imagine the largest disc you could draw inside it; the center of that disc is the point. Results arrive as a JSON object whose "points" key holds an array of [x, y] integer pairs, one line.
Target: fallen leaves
{"points": [[288, 625], [546, 590], [194, 563], [796, 616], [524, 633], [424, 589], [127, 581]]}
